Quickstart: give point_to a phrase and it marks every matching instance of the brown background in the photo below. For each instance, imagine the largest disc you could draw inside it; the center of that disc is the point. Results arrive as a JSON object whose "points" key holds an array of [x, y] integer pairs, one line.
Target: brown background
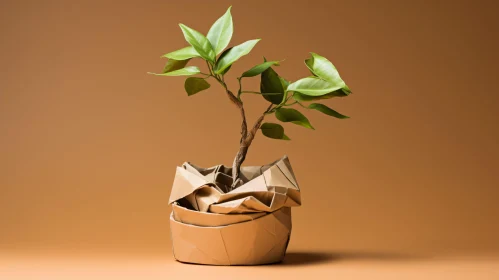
{"points": [[89, 142]]}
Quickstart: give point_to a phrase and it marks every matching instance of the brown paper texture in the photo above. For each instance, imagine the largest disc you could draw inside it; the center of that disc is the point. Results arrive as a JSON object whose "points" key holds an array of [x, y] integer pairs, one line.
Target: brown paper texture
{"points": [[206, 219], [248, 225], [265, 189], [260, 241]]}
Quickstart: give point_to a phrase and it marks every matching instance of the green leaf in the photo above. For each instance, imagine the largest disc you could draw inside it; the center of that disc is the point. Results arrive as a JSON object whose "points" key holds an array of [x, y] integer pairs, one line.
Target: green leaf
{"points": [[313, 86], [199, 42], [182, 54], [234, 54], [324, 69], [256, 70], [220, 32], [271, 83], [187, 71], [303, 98], [172, 65], [194, 85], [224, 53], [226, 70], [326, 110], [274, 131], [294, 116], [346, 90]]}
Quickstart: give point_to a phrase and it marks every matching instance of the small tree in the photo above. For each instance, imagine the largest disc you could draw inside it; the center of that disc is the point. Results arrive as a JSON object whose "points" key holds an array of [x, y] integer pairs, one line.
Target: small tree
{"points": [[324, 83]]}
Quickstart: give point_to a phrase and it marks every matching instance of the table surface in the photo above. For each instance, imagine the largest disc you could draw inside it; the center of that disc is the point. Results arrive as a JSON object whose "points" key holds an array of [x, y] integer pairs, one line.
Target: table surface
{"points": [[297, 265]]}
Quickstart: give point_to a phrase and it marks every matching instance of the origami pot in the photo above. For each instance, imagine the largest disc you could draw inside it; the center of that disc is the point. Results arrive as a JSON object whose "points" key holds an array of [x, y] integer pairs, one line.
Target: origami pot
{"points": [[249, 225]]}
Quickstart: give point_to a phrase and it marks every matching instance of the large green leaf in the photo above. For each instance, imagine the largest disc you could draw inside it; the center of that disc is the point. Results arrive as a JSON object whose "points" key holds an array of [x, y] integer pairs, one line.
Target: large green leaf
{"points": [[302, 97], [220, 32], [258, 69], [182, 54], [187, 71], [270, 83], [274, 131], [194, 85], [326, 110], [293, 116], [324, 69], [234, 54], [172, 65], [224, 53], [313, 86], [199, 42]]}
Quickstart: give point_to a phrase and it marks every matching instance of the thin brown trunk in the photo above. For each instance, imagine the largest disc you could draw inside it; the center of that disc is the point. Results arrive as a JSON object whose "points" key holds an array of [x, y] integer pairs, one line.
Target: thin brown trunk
{"points": [[245, 142], [246, 136], [238, 160]]}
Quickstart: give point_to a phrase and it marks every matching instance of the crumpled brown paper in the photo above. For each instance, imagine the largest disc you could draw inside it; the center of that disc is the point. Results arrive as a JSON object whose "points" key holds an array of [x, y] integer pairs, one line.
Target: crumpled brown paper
{"points": [[266, 189], [211, 224]]}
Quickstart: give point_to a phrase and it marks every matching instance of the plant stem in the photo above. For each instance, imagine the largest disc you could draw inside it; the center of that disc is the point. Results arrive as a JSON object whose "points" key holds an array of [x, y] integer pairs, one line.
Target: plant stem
{"points": [[302, 105], [243, 148], [243, 142], [209, 68], [246, 136], [290, 103], [240, 91]]}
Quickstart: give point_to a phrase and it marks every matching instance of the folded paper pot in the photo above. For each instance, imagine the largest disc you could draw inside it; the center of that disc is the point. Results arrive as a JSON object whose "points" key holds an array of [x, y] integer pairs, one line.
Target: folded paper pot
{"points": [[248, 225]]}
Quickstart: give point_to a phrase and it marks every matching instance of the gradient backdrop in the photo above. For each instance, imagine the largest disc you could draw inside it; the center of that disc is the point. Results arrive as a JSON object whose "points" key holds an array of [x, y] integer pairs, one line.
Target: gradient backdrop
{"points": [[89, 142]]}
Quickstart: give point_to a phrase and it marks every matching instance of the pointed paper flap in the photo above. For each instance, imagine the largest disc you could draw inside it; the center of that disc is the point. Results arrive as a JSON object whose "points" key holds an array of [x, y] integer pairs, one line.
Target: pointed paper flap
{"points": [[285, 166], [250, 172], [275, 177], [184, 184], [264, 188], [256, 185], [207, 173]]}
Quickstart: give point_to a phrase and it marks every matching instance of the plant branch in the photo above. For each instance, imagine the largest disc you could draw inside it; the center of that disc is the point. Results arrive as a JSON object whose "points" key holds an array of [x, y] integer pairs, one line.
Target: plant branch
{"points": [[246, 136], [239, 104], [289, 104], [209, 68], [301, 105], [243, 148], [240, 91], [257, 125]]}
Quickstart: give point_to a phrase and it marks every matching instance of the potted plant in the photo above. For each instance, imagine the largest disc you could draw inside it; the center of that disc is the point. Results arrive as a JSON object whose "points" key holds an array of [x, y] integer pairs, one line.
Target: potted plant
{"points": [[241, 215]]}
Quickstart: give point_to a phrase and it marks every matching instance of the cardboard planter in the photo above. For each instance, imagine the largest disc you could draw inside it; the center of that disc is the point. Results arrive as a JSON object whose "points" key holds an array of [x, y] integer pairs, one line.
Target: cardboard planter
{"points": [[249, 225]]}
